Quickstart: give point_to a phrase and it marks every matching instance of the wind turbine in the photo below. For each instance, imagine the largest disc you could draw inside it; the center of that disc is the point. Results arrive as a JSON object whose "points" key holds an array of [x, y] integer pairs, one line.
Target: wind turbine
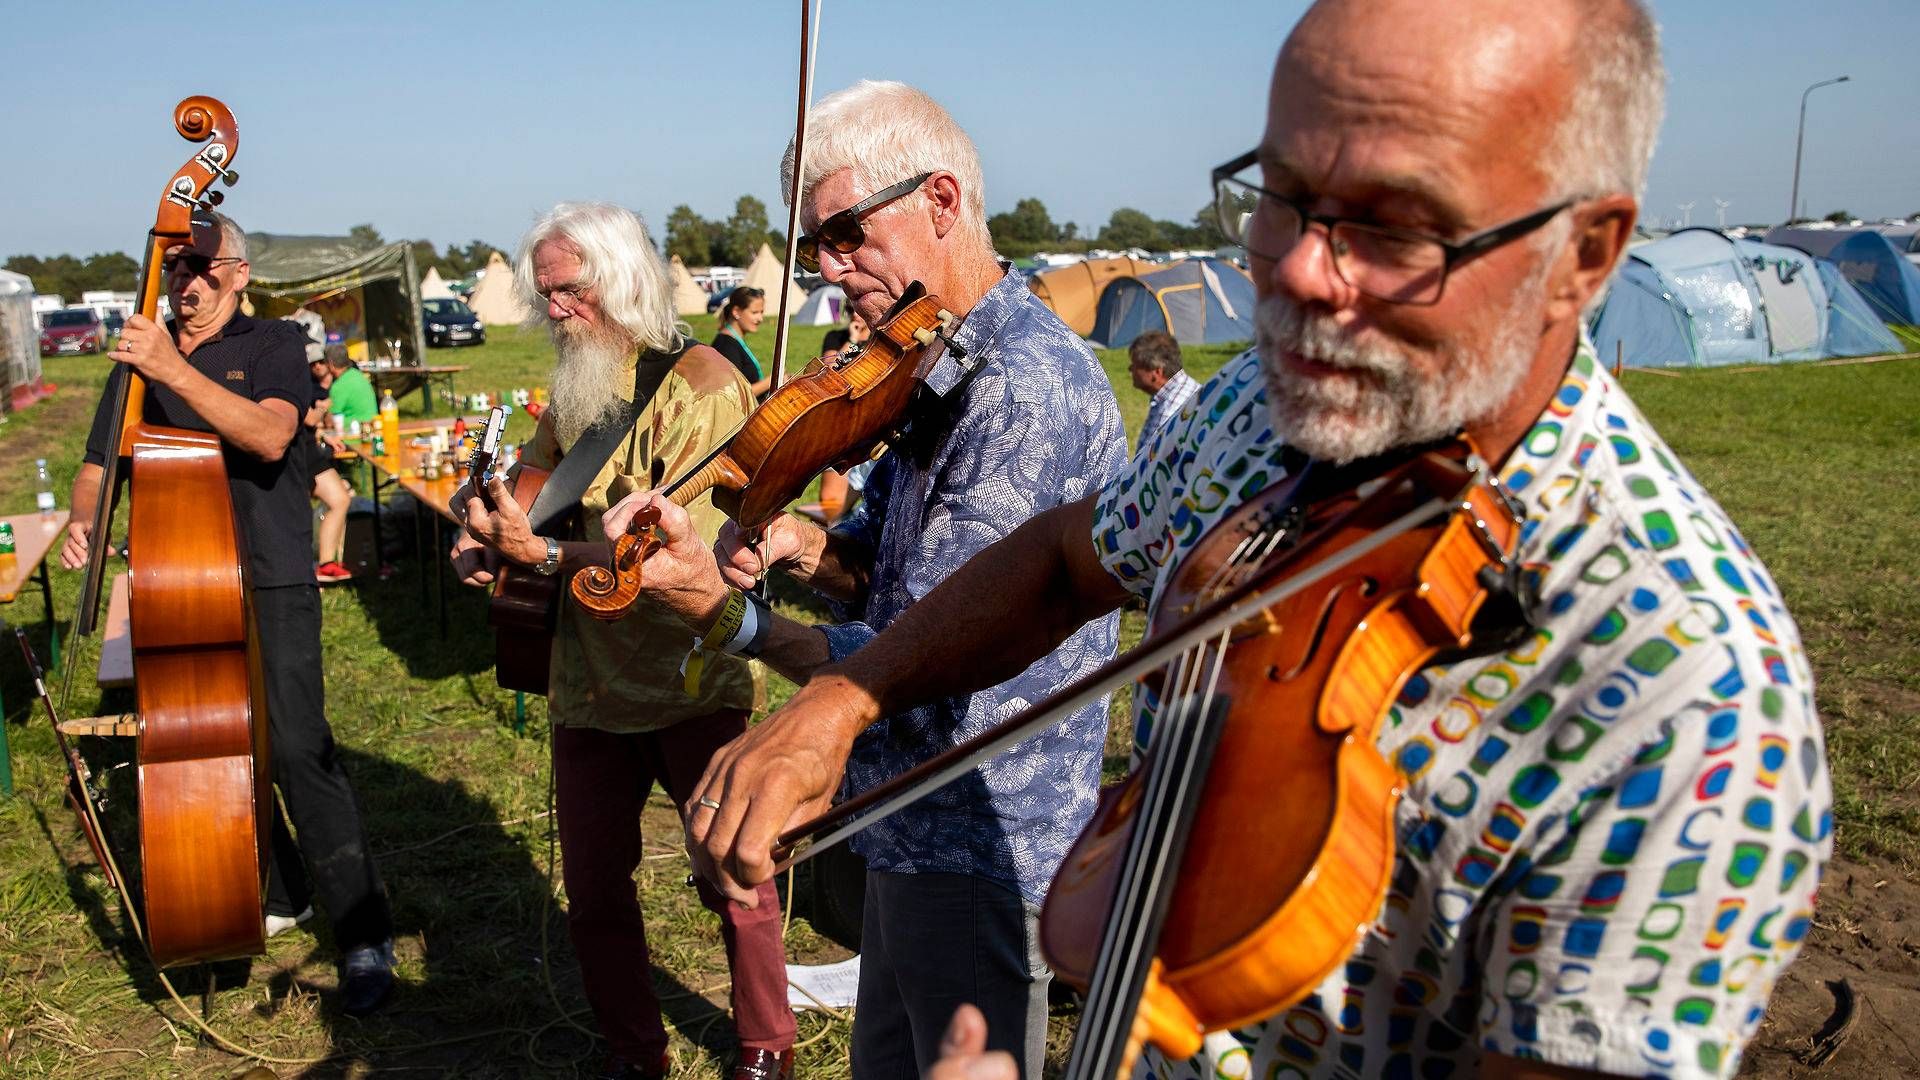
{"points": [[1720, 208], [1686, 208]]}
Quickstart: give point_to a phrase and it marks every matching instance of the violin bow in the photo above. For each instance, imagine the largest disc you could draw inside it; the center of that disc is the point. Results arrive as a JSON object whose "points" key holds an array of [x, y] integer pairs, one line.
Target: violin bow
{"points": [[809, 49]]}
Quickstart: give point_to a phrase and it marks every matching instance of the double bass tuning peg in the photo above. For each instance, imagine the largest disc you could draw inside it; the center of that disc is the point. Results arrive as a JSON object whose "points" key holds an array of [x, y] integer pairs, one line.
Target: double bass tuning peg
{"points": [[230, 177], [212, 199]]}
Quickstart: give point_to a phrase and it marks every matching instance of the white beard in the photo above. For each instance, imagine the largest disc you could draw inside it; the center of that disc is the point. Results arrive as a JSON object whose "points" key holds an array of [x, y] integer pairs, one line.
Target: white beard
{"points": [[594, 363], [1380, 401]]}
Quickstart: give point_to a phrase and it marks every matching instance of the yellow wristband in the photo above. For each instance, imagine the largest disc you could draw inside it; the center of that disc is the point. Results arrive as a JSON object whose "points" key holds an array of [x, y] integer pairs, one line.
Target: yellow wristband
{"points": [[724, 630]]}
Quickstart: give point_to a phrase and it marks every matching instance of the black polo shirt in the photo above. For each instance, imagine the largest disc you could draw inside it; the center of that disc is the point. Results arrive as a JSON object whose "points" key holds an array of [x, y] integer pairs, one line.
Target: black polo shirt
{"points": [[257, 359]]}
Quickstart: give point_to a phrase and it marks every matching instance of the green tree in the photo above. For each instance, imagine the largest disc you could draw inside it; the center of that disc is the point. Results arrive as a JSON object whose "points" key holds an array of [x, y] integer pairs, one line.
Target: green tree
{"points": [[742, 234], [1839, 217], [689, 236], [67, 276], [1025, 229], [1129, 228], [367, 235]]}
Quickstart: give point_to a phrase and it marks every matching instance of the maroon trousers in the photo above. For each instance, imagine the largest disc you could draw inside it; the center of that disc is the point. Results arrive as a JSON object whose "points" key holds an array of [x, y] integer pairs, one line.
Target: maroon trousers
{"points": [[603, 780]]}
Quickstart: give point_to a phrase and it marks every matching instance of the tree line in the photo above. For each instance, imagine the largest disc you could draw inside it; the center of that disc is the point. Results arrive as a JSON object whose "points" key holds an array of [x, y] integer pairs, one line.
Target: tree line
{"points": [[1028, 228]]}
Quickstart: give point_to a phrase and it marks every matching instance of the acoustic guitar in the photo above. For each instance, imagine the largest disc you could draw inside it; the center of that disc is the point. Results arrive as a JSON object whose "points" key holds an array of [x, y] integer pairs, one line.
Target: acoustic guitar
{"points": [[525, 605]]}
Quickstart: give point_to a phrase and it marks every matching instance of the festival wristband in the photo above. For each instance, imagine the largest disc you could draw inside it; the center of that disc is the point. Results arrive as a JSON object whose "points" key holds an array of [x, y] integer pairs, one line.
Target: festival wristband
{"points": [[723, 631]]}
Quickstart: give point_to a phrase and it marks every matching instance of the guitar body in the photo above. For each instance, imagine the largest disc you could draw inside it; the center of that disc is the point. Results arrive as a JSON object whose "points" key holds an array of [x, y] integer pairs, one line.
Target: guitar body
{"points": [[205, 774], [524, 608]]}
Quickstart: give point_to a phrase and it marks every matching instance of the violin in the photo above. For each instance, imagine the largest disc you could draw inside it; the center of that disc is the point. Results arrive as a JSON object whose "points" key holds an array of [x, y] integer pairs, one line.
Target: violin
{"points": [[837, 413], [1247, 856], [204, 782]]}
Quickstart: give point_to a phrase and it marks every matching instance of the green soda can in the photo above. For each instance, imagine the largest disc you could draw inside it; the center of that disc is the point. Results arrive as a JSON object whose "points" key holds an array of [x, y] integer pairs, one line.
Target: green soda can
{"points": [[6, 538]]}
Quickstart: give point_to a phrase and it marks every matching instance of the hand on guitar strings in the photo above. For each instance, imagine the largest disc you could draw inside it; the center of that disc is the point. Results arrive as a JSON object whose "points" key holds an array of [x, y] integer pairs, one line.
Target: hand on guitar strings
{"points": [[679, 571], [503, 528], [473, 562]]}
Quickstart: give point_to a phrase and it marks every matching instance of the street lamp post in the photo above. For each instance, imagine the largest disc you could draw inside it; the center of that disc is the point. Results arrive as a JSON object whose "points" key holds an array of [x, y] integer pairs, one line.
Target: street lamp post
{"points": [[1793, 205]]}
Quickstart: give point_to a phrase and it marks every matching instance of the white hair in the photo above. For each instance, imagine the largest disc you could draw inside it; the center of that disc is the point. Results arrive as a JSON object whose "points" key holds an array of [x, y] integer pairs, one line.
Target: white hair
{"points": [[887, 132], [617, 259], [1605, 141], [232, 239]]}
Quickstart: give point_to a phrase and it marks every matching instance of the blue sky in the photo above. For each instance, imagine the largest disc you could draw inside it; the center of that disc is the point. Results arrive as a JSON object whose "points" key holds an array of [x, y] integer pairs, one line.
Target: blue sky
{"points": [[454, 121]]}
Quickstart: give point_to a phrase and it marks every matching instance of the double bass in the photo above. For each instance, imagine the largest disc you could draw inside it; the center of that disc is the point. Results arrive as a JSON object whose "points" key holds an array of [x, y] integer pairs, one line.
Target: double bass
{"points": [[201, 741]]}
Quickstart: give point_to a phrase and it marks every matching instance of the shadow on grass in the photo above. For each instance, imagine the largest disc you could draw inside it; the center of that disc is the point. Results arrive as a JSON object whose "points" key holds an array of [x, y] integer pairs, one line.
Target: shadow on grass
{"points": [[434, 625]]}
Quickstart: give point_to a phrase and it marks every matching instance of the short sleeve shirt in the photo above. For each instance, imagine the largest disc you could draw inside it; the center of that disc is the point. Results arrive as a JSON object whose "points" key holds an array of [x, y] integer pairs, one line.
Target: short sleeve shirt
{"points": [[351, 396], [257, 359], [1611, 834], [624, 676]]}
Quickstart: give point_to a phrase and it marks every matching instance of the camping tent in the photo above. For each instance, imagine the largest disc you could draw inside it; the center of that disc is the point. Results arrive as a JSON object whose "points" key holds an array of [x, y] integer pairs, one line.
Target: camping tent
{"points": [[1198, 301], [825, 306], [1905, 236], [1696, 298], [19, 343], [1073, 291], [433, 287], [1889, 282], [764, 273], [495, 299], [369, 294], [688, 298]]}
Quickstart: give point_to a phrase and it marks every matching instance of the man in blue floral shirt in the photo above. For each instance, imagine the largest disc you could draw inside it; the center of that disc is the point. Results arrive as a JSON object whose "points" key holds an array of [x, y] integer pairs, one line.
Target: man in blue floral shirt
{"points": [[892, 195]]}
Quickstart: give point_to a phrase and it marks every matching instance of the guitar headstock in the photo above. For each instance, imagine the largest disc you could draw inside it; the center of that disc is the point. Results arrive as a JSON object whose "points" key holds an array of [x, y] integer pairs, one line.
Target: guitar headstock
{"points": [[486, 449]]}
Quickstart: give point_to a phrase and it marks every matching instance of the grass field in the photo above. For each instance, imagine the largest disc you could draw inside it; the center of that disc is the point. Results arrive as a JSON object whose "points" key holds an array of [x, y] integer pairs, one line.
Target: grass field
{"points": [[1816, 464]]}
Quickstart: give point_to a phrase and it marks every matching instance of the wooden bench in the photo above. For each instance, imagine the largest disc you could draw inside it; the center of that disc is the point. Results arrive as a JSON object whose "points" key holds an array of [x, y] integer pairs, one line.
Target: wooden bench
{"points": [[116, 642]]}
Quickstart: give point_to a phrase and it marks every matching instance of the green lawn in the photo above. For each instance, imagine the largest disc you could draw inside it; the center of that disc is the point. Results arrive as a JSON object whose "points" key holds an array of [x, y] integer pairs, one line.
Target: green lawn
{"points": [[1815, 463]]}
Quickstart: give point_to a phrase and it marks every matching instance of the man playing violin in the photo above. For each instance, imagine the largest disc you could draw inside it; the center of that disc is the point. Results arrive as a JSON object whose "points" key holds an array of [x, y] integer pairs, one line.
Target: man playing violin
{"points": [[892, 194], [623, 717], [246, 380], [1611, 834]]}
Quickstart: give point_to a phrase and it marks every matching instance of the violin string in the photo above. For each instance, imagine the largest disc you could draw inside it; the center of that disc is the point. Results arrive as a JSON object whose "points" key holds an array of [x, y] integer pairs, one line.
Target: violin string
{"points": [[1149, 860]]}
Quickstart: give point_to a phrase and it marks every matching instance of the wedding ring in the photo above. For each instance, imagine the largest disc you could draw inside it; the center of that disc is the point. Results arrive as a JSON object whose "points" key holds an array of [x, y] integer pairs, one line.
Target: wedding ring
{"points": [[709, 803]]}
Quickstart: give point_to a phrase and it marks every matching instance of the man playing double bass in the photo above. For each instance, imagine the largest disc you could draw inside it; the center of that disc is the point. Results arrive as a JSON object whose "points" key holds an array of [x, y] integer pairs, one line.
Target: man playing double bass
{"points": [[246, 380], [623, 716], [1611, 834]]}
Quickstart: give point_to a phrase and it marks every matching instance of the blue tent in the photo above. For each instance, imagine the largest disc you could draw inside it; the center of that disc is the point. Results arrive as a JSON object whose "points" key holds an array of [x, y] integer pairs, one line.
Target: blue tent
{"points": [[1876, 267], [1199, 301], [1696, 298]]}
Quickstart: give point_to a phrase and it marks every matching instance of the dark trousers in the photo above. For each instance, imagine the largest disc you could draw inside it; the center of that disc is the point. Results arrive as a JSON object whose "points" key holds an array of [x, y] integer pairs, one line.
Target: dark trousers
{"points": [[602, 781], [331, 862], [932, 942]]}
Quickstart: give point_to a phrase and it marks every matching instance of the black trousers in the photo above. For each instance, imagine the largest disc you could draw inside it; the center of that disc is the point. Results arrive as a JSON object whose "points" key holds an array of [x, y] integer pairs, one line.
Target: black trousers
{"points": [[331, 862]]}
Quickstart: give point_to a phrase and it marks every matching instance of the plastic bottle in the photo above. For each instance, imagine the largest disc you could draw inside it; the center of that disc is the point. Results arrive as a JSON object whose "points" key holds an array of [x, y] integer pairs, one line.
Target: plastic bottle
{"points": [[43, 485], [9, 562], [389, 422]]}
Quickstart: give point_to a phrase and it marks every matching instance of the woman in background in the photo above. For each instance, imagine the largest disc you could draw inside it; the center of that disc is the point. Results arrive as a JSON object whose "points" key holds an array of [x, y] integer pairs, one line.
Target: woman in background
{"points": [[839, 489], [741, 315]]}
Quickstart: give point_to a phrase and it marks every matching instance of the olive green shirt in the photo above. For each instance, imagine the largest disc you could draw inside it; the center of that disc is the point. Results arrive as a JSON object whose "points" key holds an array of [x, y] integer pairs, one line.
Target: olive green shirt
{"points": [[625, 676]]}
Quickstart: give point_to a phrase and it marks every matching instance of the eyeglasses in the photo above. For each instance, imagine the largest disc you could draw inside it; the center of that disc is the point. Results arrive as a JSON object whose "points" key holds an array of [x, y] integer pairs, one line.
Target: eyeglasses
{"points": [[197, 265], [1394, 265], [567, 297], [843, 232]]}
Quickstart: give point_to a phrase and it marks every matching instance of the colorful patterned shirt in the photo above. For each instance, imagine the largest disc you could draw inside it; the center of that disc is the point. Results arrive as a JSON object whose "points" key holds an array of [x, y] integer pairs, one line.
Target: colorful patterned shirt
{"points": [[1612, 834], [1037, 426]]}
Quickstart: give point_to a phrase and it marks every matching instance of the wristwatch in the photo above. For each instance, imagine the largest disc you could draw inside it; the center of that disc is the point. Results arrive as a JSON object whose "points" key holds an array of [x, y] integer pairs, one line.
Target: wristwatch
{"points": [[552, 565]]}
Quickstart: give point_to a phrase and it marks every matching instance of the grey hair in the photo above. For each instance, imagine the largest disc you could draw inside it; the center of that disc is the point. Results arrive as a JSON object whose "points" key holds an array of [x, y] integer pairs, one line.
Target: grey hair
{"points": [[1605, 142], [231, 237], [887, 132], [618, 259]]}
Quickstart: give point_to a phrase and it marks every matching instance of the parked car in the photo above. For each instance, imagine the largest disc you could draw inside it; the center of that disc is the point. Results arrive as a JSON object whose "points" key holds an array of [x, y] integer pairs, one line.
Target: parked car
{"points": [[450, 322], [72, 330]]}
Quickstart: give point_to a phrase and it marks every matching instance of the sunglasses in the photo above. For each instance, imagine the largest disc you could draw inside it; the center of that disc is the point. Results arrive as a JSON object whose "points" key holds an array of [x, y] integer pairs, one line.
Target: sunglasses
{"points": [[198, 265], [843, 232]]}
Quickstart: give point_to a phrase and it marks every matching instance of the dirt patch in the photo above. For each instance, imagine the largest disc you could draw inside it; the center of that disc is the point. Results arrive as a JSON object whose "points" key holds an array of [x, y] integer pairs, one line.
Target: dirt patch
{"points": [[1864, 933]]}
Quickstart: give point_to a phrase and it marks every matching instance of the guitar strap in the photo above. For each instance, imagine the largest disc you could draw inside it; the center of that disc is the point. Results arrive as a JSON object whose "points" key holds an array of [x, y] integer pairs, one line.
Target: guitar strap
{"points": [[576, 471]]}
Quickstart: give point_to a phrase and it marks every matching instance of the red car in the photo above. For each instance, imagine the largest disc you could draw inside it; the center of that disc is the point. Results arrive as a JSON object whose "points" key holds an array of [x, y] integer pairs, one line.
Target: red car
{"points": [[72, 330]]}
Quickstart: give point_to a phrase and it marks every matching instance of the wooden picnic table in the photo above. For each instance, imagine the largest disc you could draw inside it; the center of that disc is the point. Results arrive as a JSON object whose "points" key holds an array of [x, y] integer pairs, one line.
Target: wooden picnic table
{"points": [[402, 380], [34, 538]]}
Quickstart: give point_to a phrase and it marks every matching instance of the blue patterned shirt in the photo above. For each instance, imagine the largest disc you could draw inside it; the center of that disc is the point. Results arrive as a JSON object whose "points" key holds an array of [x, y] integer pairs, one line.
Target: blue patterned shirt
{"points": [[1037, 427], [1167, 403]]}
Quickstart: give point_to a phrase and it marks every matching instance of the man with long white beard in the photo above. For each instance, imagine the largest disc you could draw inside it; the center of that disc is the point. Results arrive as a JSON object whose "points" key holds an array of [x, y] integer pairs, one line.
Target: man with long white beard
{"points": [[1611, 825], [623, 717]]}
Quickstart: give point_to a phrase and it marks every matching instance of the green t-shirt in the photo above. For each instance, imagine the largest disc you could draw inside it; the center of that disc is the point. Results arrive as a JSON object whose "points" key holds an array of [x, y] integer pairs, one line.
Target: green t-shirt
{"points": [[352, 394]]}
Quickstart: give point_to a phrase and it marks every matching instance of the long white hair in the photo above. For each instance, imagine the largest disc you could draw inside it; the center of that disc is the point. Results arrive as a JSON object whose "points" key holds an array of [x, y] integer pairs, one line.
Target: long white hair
{"points": [[618, 260]]}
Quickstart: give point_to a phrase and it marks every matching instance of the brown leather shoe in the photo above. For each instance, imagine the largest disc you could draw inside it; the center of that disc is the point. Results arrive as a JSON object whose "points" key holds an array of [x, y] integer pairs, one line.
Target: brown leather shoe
{"points": [[764, 1065]]}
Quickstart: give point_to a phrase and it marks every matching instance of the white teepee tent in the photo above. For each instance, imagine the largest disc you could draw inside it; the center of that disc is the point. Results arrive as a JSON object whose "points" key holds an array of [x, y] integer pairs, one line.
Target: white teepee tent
{"points": [[495, 299], [688, 298], [763, 273], [433, 287]]}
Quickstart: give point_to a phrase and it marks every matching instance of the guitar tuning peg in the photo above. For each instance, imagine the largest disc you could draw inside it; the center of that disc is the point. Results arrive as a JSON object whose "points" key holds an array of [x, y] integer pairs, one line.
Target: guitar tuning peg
{"points": [[231, 177]]}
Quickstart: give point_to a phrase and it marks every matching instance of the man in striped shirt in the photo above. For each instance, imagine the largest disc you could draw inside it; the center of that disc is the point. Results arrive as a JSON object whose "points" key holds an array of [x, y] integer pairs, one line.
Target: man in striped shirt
{"points": [[1154, 362]]}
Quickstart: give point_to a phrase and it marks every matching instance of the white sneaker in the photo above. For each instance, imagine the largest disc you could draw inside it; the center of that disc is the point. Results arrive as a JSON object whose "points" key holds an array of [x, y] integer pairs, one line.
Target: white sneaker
{"points": [[280, 924]]}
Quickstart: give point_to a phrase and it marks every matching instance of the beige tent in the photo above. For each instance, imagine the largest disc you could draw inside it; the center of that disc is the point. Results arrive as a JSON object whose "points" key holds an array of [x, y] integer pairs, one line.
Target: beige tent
{"points": [[688, 298], [763, 273], [433, 287], [1073, 292], [495, 299]]}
